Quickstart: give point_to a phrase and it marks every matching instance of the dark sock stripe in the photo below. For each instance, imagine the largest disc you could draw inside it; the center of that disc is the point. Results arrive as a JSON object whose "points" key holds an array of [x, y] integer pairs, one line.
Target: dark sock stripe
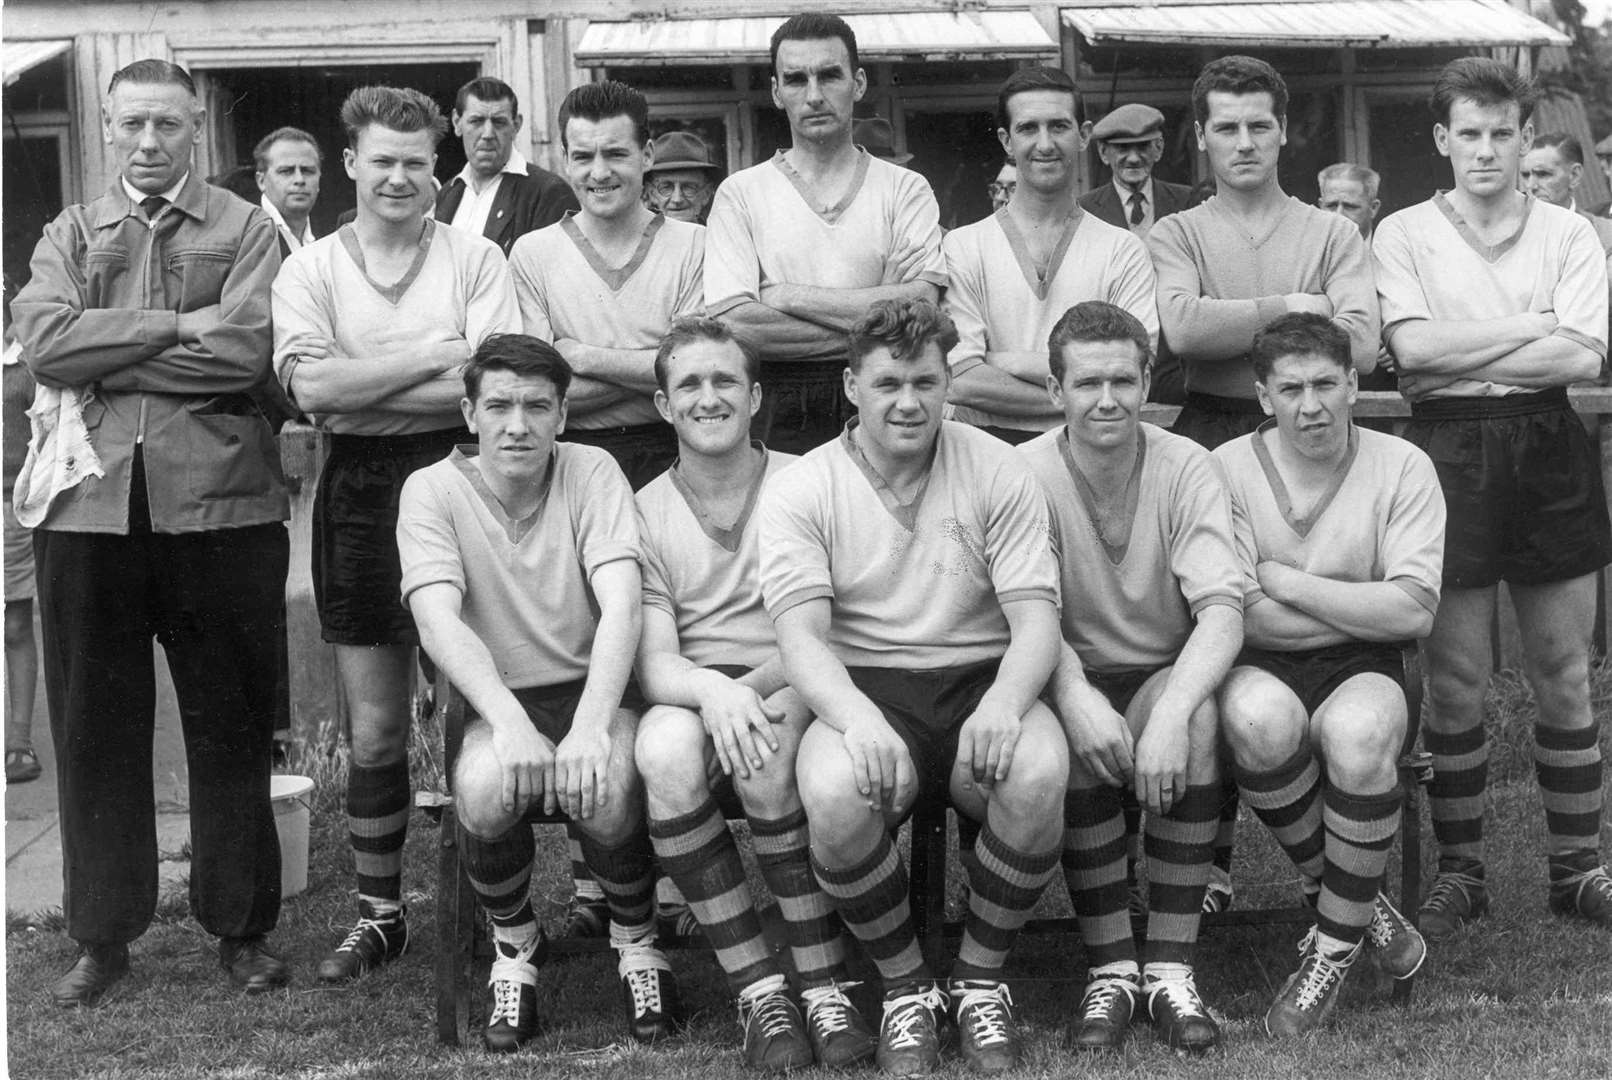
{"points": [[500, 870], [377, 817], [1456, 794], [871, 896], [1094, 854], [1359, 831], [626, 873], [811, 929]]}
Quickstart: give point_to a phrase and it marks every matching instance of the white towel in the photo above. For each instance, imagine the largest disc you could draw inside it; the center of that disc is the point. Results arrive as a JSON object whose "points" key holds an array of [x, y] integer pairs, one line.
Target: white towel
{"points": [[60, 456]]}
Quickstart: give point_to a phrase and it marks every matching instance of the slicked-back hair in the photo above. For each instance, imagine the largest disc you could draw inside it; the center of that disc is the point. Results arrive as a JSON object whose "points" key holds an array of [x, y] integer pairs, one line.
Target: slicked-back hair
{"points": [[1485, 81], [1096, 320], [599, 101], [1349, 172], [905, 327], [815, 26], [260, 152], [523, 354], [1571, 150], [486, 90], [1299, 333], [152, 72], [1238, 75], [398, 108], [692, 328], [1034, 78]]}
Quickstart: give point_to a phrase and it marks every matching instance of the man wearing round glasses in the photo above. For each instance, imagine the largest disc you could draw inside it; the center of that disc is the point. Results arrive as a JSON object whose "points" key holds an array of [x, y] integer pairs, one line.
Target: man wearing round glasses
{"points": [[682, 181]]}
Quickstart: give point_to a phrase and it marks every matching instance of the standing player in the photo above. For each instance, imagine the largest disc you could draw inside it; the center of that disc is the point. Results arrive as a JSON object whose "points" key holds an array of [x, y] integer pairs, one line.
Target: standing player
{"points": [[1238, 260], [1339, 532], [1157, 627], [1014, 273], [520, 564], [604, 284], [800, 245], [709, 661], [372, 325], [1494, 302], [908, 570]]}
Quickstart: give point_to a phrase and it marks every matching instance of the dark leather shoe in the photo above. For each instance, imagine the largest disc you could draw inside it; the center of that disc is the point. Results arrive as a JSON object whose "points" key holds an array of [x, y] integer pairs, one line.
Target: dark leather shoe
{"points": [[92, 974], [251, 966]]}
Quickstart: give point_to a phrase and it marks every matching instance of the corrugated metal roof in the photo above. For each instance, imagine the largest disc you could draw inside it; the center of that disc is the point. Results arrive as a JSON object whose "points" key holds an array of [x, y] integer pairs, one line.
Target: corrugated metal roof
{"points": [[1384, 24], [932, 35], [17, 58]]}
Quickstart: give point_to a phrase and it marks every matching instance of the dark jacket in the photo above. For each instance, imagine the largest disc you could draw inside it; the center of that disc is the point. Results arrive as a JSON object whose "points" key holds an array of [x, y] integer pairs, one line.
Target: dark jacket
{"points": [[523, 203], [1104, 203], [102, 312]]}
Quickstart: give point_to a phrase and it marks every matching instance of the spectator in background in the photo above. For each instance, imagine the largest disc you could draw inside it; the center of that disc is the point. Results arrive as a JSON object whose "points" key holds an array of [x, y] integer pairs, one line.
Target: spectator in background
{"points": [[877, 137], [1130, 140], [288, 162], [1001, 189], [1552, 171], [498, 194], [182, 538], [1351, 190], [681, 181], [22, 655], [1603, 155]]}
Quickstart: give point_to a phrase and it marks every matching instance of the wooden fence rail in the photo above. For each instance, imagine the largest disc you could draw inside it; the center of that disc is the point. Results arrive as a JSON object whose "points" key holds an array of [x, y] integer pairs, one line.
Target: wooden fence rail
{"points": [[316, 711]]}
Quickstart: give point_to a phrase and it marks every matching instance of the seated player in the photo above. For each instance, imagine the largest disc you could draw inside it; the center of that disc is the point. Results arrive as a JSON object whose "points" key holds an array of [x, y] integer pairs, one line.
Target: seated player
{"points": [[1157, 626], [723, 712], [1340, 533], [908, 570], [508, 550]]}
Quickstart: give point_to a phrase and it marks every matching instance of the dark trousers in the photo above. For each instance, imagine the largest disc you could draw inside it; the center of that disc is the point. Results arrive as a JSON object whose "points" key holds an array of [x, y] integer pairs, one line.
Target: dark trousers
{"points": [[215, 601]]}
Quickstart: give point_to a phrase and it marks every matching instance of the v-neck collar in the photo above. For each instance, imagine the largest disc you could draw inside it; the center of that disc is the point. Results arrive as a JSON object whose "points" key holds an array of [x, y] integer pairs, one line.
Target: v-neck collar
{"points": [[727, 539], [1270, 225], [1489, 253], [830, 213], [393, 294], [1284, 500], [464, 459], [614, 278], [905, 513], [1038, 278], [1088, 496]]}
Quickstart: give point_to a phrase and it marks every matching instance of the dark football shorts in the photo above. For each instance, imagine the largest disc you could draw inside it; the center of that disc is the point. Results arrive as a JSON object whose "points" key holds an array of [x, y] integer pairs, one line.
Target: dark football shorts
{"points": [[1121, 687], [357, 574], [552, 708], [1313, 674], [1522, 488], [643, 451], [927, 709], [1210, 420]]}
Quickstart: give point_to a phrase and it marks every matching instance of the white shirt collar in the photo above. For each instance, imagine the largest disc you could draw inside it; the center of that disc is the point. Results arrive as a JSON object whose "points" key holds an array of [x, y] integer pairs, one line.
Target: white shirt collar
{"points": [[1125, 193], [13, 353], [516, 165], [281, 224], [137, 196]]}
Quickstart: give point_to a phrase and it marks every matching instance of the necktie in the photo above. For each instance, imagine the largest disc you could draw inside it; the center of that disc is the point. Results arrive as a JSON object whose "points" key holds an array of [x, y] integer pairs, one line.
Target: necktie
{"points": [[1136, 201], [152, 205]]}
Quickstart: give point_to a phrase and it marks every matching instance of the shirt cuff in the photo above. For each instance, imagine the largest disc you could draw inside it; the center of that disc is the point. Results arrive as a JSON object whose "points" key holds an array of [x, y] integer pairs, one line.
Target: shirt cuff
{"points": [[797, 597]]}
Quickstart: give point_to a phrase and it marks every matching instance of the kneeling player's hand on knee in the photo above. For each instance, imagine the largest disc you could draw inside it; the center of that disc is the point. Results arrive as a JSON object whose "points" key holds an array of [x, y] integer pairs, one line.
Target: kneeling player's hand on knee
{"points": [[740, 725], [526, 765], [987, 740], [582, 761], [1161, 759], [879, 762]]}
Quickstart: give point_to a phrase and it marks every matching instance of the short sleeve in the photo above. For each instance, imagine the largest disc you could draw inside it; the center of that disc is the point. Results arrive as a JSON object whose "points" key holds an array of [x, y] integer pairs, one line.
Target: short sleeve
{"points": [[794, 539], [1018, 537], [732, 267], [965, 298], [657, 584], [490, 306], [917, 220], [531, 292], [1242, 531], [303, 316], [1399, 282], [1132, 285], [1202, 552], [1413, 540], [427, 542], [1580, 296], [606, 520]]}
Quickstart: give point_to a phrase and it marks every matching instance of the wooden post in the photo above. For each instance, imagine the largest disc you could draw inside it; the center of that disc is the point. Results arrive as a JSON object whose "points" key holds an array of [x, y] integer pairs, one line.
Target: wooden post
{"points": [[316, 712]]}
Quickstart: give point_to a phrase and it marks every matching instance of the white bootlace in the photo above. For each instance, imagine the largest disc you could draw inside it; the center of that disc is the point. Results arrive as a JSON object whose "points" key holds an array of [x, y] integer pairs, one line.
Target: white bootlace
{"points": [[1386, 922], [1180, 993], [638, 966], [1445, 888], [828, 1010], [904, 1015], [508, 975], [1317, 974], [365, 925], [989, 1017], [1100, 995], [1595, 879], [771, 1013]]}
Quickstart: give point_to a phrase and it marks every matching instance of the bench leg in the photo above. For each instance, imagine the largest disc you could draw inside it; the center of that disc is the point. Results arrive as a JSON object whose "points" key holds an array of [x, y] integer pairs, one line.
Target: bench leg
{"points": [[456, 936], [1410, 874]]}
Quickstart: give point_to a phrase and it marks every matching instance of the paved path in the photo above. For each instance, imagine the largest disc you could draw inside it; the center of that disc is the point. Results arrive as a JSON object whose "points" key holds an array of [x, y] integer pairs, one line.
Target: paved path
{"points": [[33, 836]]}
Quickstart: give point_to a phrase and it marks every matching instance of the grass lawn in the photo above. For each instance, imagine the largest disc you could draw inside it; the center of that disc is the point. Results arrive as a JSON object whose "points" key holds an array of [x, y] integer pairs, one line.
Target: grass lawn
{"points": [[1520, 995]]}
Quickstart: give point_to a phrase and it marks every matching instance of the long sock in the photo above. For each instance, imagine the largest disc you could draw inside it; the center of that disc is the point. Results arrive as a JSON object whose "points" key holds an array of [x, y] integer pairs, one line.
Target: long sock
{"points": [[871, 897], [377, 822], [698, 851], [1094, 850], [1460, 776], [1133, 832], [1180, 850], [1360, 830], [1568, 764], [1226, 832], [1288, 800], [626, 873], [811, 929], [500, 872], [582, 883], [1003, 887]]}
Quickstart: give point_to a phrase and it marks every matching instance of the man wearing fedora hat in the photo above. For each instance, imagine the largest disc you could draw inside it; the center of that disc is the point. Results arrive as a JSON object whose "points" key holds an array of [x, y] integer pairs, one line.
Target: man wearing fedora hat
{"points": [[682, 180], [877, 137], [1130, 140]]}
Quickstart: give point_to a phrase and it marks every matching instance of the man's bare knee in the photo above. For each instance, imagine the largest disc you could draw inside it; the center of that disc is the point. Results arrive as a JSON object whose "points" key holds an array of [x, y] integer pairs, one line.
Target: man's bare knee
{"points": [[670, 751], [478, 789], [1261, 720]]}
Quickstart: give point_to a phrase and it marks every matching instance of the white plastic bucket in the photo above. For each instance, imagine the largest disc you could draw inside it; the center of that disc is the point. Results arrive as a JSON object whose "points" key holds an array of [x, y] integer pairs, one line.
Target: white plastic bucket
{"points": [[292, 797]]}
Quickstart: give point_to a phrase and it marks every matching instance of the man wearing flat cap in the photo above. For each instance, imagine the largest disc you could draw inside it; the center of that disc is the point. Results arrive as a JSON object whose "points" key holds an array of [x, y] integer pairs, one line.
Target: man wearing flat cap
{"points": [[1130, 140], [682, 181]]}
